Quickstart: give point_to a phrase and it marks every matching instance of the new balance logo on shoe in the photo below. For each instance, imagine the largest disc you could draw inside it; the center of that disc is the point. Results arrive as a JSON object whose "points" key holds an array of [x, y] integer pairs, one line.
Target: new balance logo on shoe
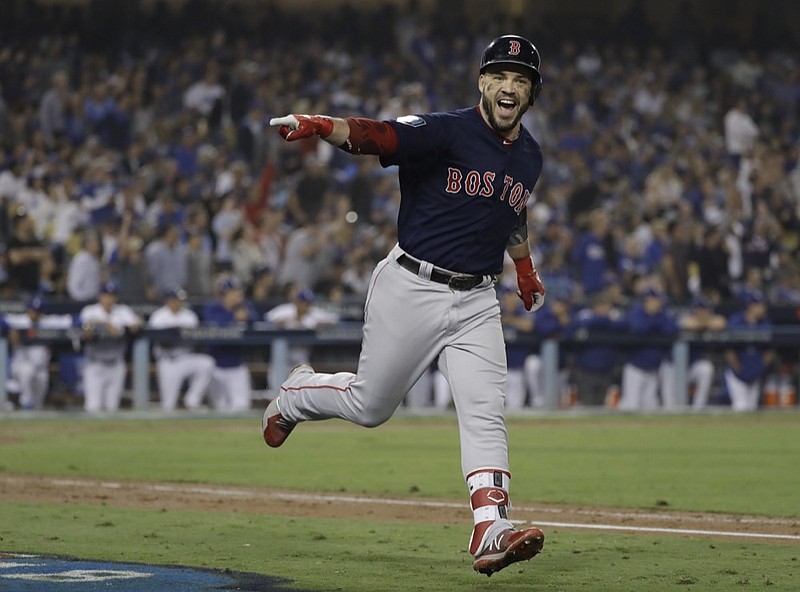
{"points": [[509, 547]]}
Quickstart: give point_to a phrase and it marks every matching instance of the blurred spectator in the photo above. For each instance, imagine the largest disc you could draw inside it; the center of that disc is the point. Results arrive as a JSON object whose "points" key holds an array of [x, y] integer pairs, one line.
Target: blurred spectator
{"points": [[748, 364], [311, 194], [303, 246], [709, 265], [206, 96], [701, 317], [225, 223], [130, 268], [106, 327], [643, 371], [177, 364], [30, 360], [551, 321], [741, 131], [107, 118], [356, 277], [30, 265], [246, 253], [631, 265], [589, 254], [199, 267], [167, 261], [230, 389], [85, 273], [52, 109], [300, 313], [596, 365], [243, 90], [271, 237], [675, 267], [264, 287], [514, 316]]}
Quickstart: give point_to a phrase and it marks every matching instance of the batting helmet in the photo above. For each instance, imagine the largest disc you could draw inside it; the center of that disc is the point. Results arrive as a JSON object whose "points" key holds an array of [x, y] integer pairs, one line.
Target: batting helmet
{"points": [[516, 50]]}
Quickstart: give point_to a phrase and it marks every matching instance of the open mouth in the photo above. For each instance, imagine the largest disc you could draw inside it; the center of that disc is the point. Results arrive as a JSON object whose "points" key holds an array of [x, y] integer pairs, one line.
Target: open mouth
{"points": [[506, 106]]}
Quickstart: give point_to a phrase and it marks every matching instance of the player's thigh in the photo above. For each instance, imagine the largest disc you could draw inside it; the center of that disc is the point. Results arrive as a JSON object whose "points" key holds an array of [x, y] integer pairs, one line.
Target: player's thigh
{"points": [[475, 365], [167, 374], [405, 318], [197, 364]]}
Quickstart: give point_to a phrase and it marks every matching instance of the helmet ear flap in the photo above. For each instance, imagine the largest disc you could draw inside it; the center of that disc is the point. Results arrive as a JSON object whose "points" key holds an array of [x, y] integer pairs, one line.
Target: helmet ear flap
{"points": [[536, 88]]}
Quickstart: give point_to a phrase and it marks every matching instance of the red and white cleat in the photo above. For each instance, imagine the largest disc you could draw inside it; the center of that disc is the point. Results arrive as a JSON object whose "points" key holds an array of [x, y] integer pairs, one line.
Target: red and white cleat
{"points": [[274, 426], [509, 547]]}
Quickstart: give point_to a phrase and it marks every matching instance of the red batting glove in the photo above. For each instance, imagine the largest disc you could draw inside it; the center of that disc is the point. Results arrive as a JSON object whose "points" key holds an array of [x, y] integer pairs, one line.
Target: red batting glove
{"points": [[531, 289], [294, 127]]}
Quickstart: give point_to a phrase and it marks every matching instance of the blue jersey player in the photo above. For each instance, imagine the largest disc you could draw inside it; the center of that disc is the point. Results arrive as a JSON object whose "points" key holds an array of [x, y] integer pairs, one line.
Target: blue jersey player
{"points": [[465, 178]]}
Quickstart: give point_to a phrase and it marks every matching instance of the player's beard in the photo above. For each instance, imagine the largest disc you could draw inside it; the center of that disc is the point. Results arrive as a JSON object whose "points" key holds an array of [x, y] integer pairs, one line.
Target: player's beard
{"points": [[488, 108]]}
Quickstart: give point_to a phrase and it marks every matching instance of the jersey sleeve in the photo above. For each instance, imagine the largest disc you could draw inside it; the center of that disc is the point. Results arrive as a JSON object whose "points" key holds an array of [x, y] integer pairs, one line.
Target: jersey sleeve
{"points": [[418, 137]]}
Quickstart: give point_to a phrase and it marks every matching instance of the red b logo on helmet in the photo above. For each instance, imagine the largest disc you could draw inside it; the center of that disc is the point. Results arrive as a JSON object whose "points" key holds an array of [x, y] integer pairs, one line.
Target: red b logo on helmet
{"points": [[514, 47]]}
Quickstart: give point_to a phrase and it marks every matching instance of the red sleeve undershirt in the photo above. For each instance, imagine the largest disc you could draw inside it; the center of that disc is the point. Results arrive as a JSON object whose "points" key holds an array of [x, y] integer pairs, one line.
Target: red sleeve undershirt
{"points": [[368, 136]]}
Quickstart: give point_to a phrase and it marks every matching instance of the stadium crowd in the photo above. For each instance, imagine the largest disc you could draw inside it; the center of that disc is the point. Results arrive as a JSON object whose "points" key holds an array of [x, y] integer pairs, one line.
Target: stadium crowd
{"points": [[143, 156]]}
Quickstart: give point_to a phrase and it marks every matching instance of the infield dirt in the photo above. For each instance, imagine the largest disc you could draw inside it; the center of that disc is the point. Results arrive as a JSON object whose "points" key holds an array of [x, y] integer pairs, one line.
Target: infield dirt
{"points": [[187, 496]]}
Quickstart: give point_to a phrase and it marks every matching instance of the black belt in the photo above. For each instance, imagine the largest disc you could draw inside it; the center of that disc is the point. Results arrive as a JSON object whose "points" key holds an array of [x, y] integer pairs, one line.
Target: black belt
{"points": [[456, 281]]}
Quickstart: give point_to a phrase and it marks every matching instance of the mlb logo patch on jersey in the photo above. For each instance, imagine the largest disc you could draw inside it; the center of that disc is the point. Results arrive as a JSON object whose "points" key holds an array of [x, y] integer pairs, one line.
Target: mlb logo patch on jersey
{"points": [[411, 120]]}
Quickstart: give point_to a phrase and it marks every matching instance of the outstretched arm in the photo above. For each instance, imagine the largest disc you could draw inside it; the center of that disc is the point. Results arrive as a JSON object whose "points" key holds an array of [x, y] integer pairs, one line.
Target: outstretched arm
{"points": [[356, 135]]}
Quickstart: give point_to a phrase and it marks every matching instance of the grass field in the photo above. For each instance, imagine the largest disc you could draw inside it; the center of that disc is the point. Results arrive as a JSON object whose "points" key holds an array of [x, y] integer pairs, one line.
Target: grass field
{"points": [[734, 464]]}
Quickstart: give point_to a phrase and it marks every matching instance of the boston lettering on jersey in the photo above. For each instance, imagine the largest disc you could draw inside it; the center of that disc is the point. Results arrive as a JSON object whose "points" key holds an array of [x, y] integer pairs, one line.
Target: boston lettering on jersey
{"points": [[463, 188], [474, 183]]}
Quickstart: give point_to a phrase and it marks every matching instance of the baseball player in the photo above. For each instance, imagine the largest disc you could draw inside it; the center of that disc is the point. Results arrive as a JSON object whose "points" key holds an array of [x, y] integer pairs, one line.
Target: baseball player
{"points": [[230, 388], [552, 320], [596, 365], [175, 363], [106, 326], [700, 317], [643, 370], [465, 179], [300, 313], [30, 360], [747, 365]]}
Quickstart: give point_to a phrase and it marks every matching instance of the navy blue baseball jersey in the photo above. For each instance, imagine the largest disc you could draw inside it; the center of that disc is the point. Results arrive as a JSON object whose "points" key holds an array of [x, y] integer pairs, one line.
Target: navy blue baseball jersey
{"points": [[463, 187], [752, 366], [640, 322], [215, 314]]}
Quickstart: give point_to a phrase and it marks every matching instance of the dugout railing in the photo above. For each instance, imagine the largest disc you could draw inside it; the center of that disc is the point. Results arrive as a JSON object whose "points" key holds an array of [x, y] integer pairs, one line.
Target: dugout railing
{"points": [[274, 344]]}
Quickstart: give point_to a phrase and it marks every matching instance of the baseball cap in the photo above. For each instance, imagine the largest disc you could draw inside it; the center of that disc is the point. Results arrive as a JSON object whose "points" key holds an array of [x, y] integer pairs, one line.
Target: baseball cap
{"points": [[36, 303], [227, 284], [652, 293], [752, 297], [178, 293], [109, 287], [262, 270], [701, 302], [305, 295]]}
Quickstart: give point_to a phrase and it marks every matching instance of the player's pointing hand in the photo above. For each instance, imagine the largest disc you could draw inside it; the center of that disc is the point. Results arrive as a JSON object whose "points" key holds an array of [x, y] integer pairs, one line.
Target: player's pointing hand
{"points": [[295, 127]]}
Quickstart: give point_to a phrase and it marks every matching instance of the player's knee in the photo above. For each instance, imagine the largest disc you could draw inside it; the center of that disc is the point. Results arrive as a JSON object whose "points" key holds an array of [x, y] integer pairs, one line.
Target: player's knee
{"points": [[372, 418], [705, 367]]}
